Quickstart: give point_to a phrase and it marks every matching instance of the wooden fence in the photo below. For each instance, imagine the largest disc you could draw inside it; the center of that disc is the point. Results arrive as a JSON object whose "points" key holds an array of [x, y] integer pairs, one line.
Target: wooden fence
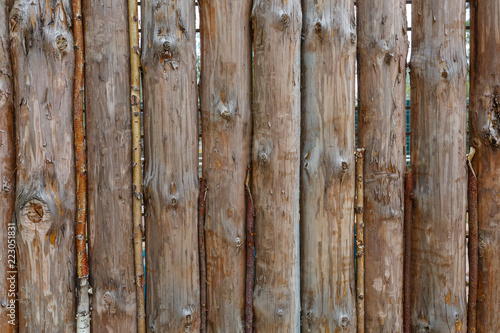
{"points": [[300, 222]]}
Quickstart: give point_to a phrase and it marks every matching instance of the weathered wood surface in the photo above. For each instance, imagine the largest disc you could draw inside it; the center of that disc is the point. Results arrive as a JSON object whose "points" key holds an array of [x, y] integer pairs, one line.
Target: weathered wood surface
{"points": [[276, 164], [485, 137], [43, 66], [438, 153], [7, 178], [328, 165], [225, 95], [108, 125], [171, 171], [382, 49]]}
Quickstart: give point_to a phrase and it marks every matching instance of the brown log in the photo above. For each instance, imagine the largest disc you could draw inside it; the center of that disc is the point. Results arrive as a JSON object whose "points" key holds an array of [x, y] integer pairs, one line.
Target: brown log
{"points": [[276, 164], [473, 250], [109, 147], [225, 97], [203, 254], [438, 149], [360, 242], [43, 58], [8, 269], [328, 295], [250, 240], [83, 303], [382, 49], [171, 171], [408, 212], [485, 138]]}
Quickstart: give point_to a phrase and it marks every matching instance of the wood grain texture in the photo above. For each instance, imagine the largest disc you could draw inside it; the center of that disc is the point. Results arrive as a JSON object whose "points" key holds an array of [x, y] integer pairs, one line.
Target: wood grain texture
{"points": [[225, 96], [328, 295], [438, 153], [43, 66], [484, 136], [7, 179], [382, 49], [276, 164], [171, 177], [108, 125]]}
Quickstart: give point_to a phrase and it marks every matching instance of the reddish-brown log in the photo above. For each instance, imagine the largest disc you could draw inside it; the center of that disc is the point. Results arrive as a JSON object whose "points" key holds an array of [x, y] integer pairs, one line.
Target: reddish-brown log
{"points": [[250, 273], [203, 254], [473, 244], [408, 211]]}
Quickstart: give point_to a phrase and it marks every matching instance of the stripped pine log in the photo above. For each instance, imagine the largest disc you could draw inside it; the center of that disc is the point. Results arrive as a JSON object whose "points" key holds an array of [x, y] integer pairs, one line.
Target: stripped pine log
{"points": [[83, 303], [43, 66], [438, 149], [250, 273], [8, 280], [276, 162], [171, 171], [203, 254], [137, 181], [408, 213], [382, 49], [328, 296], [473, 250], [485, 138], [109, 146], [360, 241], [225, 96]]}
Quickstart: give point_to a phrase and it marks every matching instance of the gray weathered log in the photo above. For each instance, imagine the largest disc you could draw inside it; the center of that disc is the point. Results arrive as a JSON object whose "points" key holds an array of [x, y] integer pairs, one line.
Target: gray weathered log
{"points": [[276, 164], [225, 95], [171, 176], [382, 49], [327, 171], [438, 152], [485, 138], [108, 125], [43, 66]]}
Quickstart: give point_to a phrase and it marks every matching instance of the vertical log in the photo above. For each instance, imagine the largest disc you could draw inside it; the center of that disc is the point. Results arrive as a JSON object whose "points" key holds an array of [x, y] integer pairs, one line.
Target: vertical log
{"points": [[43, 66], [438, 93], [473, 250], [108, 125], [250, 273], [408, 213], [276, 162], [171, 154], [7, 181], [485, 138], [360, 241], [226, 84], [203, 254], [382, 49], [83, 303], [328, 296]]}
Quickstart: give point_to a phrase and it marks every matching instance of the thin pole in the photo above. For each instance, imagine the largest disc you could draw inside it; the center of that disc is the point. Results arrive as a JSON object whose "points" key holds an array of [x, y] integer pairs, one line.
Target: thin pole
{"points": [[360, 245], [473, 244], [83, 305], [202, 253], [408, 211], [136, 160]]}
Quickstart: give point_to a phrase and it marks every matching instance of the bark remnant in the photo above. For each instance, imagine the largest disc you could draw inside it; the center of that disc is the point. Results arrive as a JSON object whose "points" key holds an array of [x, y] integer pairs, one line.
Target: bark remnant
{"points": [[360, 241], [407, 246], [473, 244]]}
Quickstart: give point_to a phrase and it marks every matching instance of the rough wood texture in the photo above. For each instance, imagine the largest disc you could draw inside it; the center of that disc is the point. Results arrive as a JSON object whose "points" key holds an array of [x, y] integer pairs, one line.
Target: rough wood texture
{"points": [[408, 213], [438, 149], [485, 137], [171, 178], [360, 242], [473, 251], [7, 181], [107, 103], [250, 241], [382, 49], [43, 65], [276, 162], [202, 254], [226, 84], [327, 184]]}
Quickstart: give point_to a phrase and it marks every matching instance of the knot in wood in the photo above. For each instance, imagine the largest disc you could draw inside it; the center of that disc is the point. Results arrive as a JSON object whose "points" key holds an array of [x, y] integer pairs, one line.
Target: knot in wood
{"points": [[61, 43], [34, 211], [285, 20]]}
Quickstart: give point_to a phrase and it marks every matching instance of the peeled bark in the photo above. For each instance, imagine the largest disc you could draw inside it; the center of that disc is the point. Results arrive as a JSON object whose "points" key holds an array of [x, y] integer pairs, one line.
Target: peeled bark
{"points": [[43, 66], [8, 275], [109, 147], [438, 149], [360, 242], [328, 293], [276, 162], [485, 137], [226, 83], [171, 154], [382, 48]]}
